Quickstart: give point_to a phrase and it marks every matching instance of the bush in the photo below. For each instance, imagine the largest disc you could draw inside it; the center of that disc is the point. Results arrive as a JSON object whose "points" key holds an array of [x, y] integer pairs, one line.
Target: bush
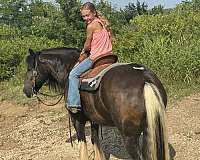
{"points": [[14, 50], [168, 44]]}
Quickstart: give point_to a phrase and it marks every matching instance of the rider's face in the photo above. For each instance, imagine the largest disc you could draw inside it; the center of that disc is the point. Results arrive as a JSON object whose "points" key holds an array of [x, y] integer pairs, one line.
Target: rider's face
{"points": [[87, 15]]}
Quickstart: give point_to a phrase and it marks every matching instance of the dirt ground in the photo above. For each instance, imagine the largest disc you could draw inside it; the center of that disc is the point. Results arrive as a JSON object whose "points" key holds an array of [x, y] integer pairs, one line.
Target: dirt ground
{"points": [[39, 132]]}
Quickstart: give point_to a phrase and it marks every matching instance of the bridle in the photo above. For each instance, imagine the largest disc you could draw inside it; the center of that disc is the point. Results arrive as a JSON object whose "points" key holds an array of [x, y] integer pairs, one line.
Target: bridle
{"points": [[34, 76], [35, 93]]}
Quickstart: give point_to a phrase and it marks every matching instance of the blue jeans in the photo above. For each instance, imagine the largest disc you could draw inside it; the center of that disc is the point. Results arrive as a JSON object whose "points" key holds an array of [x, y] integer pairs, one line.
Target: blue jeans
{"points": [[73, 98]]}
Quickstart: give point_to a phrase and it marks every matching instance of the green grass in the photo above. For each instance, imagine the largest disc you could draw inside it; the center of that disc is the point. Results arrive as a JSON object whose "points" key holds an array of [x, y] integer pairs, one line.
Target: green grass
{"points": [[179, 90], [13, 91]]}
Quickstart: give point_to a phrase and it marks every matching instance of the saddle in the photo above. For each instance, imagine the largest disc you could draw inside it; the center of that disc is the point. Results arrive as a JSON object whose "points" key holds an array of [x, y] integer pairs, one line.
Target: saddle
{"points": [[90, 80]]}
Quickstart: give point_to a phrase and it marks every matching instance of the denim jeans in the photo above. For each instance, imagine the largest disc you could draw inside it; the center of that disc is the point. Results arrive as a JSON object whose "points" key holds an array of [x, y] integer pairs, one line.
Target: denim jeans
{"points": [[73, 98]]}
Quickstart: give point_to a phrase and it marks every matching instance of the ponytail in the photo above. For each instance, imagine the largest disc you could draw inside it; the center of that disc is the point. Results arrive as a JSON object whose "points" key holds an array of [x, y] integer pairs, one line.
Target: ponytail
{"points": [[105, 21]]}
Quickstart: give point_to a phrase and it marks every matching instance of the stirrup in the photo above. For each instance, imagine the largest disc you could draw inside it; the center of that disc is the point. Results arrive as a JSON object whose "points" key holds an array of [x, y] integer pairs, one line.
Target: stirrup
{"points": [[74, 109]]}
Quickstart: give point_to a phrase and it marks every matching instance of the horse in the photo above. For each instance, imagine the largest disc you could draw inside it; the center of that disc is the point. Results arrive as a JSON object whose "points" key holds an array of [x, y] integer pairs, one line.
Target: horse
{"points": [[129, 97]]}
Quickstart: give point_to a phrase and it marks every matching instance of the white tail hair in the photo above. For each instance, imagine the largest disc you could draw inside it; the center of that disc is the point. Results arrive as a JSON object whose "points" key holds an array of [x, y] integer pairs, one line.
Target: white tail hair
{"points": [[155, 112]]}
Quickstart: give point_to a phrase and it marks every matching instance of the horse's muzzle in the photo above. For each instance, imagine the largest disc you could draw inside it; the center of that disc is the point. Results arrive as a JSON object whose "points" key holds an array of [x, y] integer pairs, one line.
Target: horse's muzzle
{"points": [[28, 91]]}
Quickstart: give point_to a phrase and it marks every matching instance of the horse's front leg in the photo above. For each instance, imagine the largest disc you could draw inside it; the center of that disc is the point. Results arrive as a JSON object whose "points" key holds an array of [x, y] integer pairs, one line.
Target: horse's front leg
{"points": [[98, 152], [79, 124]]}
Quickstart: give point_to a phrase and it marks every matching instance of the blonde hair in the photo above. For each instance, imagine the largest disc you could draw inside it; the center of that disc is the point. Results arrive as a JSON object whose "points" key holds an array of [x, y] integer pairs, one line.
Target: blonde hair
{"points": [[90, 6]]}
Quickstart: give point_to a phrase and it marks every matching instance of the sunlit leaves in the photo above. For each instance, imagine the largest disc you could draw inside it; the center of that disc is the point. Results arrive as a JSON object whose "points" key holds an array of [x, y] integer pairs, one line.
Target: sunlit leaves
{"points": [[167, 43]]}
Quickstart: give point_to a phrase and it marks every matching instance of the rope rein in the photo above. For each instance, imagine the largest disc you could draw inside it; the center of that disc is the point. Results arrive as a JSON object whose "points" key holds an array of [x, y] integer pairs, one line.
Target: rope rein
{"points": [[35, 74], [70, 131], [48, 95], [52, 104]]}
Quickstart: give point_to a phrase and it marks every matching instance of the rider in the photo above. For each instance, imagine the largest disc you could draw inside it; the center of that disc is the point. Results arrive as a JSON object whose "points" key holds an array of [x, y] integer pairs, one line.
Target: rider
{"points": [[98, 42]]}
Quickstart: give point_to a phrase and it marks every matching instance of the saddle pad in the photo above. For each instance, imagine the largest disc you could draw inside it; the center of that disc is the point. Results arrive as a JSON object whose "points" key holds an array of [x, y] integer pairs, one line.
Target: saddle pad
{"points": [[91, 84]]}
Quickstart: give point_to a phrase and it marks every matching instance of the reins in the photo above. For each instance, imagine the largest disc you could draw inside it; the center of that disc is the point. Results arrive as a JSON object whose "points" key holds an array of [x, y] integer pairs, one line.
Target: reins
{"points": [[52, 104], [35, 74]]}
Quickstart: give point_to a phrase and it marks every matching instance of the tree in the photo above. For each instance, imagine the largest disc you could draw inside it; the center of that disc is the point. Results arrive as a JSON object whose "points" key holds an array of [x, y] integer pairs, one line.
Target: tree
{"points": [[15, 13], [129, 12], [132, 10], [115, 17], [47, 20], [141, 8], [40, 8], [157, 10], [71, 11], [74, 26], [196, 5]]}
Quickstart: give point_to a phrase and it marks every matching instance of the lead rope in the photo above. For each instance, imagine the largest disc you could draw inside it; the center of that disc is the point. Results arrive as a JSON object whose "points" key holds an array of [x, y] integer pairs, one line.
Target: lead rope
{"points": [[34, 91], [53, 104], [39, 100], [101, 133], [70, 131], [48, 95]]}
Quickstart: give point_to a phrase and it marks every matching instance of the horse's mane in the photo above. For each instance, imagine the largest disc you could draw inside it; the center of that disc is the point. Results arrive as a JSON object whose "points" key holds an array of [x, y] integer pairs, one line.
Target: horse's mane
{"points": [[51, 50], [64, 59], [62, 53], [54, 85]]}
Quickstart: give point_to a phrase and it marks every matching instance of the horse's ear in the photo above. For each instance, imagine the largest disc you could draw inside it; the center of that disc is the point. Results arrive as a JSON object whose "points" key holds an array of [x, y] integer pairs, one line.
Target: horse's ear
{"points": [[31, 52]]}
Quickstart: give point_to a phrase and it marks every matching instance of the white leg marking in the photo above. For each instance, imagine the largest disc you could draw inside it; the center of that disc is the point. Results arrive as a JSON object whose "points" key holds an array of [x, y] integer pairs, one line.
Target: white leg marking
{"points": [[98, 152], [83, 150]]}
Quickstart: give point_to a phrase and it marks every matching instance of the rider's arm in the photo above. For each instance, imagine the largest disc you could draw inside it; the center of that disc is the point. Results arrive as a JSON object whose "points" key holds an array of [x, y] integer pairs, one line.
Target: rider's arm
{"points": [[87, 44]]}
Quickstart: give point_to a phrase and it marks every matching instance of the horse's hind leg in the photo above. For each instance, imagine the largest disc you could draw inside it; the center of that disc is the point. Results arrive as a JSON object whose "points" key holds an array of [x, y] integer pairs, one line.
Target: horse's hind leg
{"points": [[98, 152], [132, 146], [79, 124], [131, 133]]}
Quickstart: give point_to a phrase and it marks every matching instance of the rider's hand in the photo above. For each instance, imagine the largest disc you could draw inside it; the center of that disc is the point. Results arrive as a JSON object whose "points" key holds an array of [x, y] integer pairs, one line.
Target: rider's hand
{"points": [[82, 56]]}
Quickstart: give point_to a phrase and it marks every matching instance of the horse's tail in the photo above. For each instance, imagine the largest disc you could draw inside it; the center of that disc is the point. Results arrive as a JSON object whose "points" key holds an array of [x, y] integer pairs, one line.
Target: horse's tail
{"points": [[156, 134]]}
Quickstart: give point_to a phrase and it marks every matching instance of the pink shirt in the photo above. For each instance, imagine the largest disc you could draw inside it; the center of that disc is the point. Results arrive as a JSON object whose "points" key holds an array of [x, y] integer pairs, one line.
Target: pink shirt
{"points": [[101, 43]]}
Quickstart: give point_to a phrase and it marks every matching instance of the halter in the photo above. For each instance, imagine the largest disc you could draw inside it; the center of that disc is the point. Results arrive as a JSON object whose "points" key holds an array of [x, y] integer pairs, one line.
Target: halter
{"points": [[34, 77]]}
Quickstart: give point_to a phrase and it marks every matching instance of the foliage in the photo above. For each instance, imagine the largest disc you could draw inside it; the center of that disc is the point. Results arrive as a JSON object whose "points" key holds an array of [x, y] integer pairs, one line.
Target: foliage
{"points": [[14, 48], [73, 28], [116, 19], [169, 44], [194, 3], [157, 10], [15, 13], [7, 32], [132, 10]]}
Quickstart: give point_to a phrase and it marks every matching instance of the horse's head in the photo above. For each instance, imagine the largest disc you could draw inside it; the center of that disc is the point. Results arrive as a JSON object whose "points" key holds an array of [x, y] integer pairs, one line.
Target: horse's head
{"points": [[35, 75], [52, 65]]}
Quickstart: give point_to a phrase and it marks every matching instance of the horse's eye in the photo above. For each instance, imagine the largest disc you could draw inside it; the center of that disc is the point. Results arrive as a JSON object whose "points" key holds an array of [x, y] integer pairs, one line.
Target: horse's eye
{"points": [[34, 73]]}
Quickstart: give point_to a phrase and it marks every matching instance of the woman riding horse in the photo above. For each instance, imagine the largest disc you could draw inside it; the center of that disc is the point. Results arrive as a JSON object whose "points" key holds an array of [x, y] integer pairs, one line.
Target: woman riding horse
{"points": [[98, 42]]}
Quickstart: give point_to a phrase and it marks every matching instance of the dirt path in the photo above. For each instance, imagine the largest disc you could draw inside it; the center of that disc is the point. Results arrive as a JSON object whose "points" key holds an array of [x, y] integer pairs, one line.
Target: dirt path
{"points": [[40, 132]]}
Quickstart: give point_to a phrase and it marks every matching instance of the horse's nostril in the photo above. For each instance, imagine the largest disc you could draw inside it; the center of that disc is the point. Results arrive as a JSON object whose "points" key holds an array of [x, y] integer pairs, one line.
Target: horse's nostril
{"points": [[24, 90], [29, 96]]}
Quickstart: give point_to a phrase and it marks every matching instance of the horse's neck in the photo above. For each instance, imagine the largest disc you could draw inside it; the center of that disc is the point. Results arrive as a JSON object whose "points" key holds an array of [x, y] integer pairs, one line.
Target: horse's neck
{"points": [[60, 71]]}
